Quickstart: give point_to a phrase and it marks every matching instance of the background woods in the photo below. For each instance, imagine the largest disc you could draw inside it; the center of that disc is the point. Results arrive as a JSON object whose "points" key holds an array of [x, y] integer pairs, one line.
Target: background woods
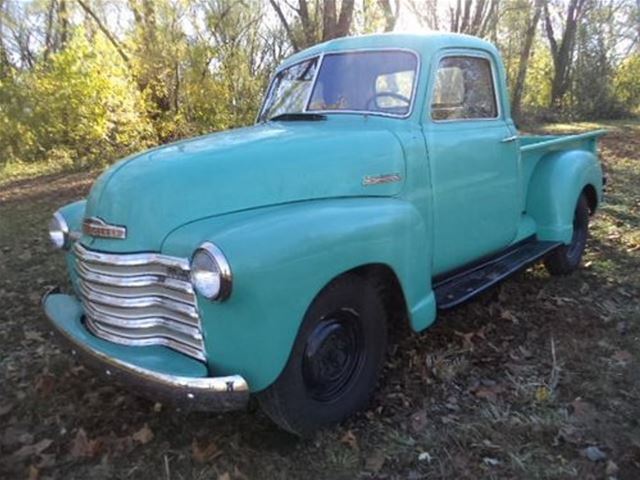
{"points": [[88, 81]]}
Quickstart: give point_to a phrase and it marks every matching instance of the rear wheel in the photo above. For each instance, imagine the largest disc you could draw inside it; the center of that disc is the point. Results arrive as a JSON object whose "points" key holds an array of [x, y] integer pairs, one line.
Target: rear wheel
{"points": [[566, 259], [335, 361]]}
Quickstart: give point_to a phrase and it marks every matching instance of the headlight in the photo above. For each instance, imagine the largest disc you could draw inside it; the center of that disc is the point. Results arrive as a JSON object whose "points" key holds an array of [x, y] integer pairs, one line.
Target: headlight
{"points": [[59, 231], [210, 272]]}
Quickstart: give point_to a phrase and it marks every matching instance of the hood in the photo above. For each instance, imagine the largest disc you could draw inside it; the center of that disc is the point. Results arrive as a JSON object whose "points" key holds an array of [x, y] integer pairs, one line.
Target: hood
{"points": [[154, 192]]}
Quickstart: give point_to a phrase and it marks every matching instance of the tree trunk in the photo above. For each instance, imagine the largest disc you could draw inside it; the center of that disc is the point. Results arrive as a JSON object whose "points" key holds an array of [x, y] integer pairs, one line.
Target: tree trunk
{"points": [[525, 54], [390, 13], [106, 32], [562, 52]]}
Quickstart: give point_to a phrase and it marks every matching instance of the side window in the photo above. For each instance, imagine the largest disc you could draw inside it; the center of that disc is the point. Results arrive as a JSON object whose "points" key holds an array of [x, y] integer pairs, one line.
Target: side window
{"points": [[463, 90]]}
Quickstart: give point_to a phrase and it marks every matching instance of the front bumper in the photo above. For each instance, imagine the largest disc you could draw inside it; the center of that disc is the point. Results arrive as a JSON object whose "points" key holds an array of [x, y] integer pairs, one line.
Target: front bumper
{"points": [[156, 372]]}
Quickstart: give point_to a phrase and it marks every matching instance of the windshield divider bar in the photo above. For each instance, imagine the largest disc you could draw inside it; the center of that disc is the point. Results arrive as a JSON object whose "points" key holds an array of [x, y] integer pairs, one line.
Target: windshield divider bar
{"points": [[313, 82]]}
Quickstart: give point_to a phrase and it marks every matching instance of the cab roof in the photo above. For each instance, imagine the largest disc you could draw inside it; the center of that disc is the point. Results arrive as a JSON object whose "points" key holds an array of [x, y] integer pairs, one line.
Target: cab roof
{"points": [[423, 43]]}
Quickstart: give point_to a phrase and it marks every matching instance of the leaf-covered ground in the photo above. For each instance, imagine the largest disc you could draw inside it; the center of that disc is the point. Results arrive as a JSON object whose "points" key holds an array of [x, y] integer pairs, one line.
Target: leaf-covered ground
{"points": [[539, 378]]}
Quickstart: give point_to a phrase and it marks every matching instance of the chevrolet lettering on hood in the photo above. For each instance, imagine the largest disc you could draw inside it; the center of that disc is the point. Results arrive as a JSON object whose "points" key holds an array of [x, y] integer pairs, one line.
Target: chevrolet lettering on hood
{"points": [[96, 227]]}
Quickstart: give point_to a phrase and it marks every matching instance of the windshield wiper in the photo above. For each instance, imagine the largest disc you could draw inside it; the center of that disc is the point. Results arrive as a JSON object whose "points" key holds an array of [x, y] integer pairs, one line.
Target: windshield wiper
{"points": [[298, 116]]}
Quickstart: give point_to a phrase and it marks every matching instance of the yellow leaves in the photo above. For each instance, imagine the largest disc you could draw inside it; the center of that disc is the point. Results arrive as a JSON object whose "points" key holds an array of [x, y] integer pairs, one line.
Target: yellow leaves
{"points": [[542, 394]]}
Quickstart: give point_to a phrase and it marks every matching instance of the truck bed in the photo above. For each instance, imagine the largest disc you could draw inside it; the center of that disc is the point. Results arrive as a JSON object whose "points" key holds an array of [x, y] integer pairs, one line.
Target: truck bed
{"points": [[534, 147], [548, 143]]}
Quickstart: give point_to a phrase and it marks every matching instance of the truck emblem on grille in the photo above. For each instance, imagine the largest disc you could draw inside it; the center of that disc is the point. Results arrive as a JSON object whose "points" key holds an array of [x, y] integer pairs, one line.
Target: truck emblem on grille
{"points": [[96, 227]]}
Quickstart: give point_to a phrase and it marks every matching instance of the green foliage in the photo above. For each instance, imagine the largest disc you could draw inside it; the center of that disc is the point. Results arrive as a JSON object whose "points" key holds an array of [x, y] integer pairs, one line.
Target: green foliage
{"points": [[627, 83], [537, 91], [80, 106]]}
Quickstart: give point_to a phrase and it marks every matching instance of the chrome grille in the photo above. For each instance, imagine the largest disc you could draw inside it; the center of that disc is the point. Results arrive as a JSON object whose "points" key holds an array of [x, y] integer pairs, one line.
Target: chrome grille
{"points": [[139, 299]]}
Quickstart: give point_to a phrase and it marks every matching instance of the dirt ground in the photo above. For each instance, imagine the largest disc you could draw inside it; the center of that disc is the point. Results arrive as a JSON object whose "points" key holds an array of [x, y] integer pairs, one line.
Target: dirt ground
{"points": [[538, 378]]}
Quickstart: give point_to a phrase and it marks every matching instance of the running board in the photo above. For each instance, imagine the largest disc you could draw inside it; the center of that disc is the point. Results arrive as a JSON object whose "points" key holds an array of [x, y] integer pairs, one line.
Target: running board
{"points": [[461, 286]]}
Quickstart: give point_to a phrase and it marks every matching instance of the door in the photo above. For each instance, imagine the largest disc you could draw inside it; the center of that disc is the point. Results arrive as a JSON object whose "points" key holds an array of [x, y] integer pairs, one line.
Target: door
{"points": [[473, 155]]}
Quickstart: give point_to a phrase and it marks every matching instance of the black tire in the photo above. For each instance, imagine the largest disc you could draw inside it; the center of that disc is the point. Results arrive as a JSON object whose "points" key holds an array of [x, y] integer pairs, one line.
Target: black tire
{"points": [[335, 361], [566, 259]]}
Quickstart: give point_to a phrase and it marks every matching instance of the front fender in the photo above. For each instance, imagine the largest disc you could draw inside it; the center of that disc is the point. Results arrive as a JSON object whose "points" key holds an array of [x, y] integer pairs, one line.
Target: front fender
{"points": [[282, 256], [554, 188]]}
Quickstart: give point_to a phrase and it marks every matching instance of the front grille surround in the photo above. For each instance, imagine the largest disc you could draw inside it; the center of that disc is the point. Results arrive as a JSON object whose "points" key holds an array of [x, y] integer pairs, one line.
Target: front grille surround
{"points": [[139, 299]]}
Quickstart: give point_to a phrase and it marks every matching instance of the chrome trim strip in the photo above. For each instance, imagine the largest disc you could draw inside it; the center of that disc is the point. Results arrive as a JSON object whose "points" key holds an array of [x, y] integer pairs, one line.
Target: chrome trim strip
{"points": [[155, 290], [131, 259], [145, 322], [196, 393], [134, 314], [142, 340], [133, 280], [137, 302]]}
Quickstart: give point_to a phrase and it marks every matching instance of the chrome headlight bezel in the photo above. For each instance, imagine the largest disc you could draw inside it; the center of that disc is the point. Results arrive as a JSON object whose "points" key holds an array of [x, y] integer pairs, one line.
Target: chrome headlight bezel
{"points": [[59, 232], [208, 264]]}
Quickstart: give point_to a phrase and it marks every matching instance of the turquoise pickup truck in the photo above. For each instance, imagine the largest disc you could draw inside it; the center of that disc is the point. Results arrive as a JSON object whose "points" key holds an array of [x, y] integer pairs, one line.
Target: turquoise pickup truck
{"points": [[384, 178]]}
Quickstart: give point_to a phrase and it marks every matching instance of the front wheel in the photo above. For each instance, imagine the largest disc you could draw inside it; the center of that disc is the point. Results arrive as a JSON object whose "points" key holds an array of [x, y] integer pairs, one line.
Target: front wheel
{"points": [[335, 361], [566, 259]]}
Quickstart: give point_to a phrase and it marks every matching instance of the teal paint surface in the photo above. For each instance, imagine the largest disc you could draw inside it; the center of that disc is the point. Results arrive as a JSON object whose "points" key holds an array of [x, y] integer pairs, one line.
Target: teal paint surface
{"points": [[286, 203]]}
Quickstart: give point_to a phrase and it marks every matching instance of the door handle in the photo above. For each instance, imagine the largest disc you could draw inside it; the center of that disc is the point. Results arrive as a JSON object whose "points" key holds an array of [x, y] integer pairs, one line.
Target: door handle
{"points": [[509, 139]]}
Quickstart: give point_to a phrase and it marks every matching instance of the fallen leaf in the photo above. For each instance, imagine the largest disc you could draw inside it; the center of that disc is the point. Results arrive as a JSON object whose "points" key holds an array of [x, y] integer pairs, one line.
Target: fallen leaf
{"points": [[425, 456], [224, 476], [375, 462], [34, 473], [612, 469], [542, 394], [349, 438], [144, 435], [45, 384], [507, 315], [594, 454], [489, 392], [5, 408], [622, 356], [33, 335], [28, 450], [82, 446], [204, 454], [418, 421], [581, 409]]}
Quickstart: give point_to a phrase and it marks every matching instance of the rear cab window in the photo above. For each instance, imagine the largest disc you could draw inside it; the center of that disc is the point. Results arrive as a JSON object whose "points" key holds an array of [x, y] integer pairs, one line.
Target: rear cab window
{"points": [[464, 89]]}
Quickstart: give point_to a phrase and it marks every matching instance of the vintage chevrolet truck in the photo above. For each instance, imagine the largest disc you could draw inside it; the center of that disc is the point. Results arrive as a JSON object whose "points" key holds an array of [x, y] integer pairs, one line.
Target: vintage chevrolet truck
{"points": [[384, 179]]}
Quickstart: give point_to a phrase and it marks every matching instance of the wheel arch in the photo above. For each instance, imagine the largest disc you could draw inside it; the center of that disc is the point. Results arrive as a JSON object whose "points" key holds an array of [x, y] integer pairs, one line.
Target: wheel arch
{"points": [[557, 182]]}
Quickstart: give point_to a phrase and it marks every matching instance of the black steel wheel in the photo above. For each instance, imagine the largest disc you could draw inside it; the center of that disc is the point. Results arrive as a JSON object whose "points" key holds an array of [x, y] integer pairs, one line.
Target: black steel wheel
{"points": [[566, 259], [336, 358]]}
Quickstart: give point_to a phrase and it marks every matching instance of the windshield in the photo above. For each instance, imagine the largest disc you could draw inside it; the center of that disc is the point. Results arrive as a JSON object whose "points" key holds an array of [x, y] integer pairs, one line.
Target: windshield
{"points": [[381, 82]]}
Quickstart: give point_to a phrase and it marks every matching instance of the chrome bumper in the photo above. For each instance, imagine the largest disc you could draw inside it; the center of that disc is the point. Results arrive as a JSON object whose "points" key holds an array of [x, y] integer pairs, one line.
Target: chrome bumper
{"points": [[193, 393]]}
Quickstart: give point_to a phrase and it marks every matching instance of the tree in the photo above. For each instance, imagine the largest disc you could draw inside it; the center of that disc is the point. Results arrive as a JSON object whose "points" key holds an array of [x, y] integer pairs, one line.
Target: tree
{"points": [[314, 21], [525, 54], [473, 17], [562, 45]]}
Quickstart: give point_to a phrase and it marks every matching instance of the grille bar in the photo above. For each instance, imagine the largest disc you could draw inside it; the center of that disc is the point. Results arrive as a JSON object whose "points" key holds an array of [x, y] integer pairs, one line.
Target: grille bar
{"points": [[139, 299]]}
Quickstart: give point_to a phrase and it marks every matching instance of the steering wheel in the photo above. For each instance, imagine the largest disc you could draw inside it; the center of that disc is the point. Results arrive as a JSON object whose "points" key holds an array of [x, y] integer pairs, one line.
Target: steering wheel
{"points": [[387, 94]]}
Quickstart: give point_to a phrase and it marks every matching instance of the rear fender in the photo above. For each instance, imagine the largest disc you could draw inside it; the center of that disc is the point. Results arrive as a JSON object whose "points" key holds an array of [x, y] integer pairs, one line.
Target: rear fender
{"points": [[556, 183]]}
